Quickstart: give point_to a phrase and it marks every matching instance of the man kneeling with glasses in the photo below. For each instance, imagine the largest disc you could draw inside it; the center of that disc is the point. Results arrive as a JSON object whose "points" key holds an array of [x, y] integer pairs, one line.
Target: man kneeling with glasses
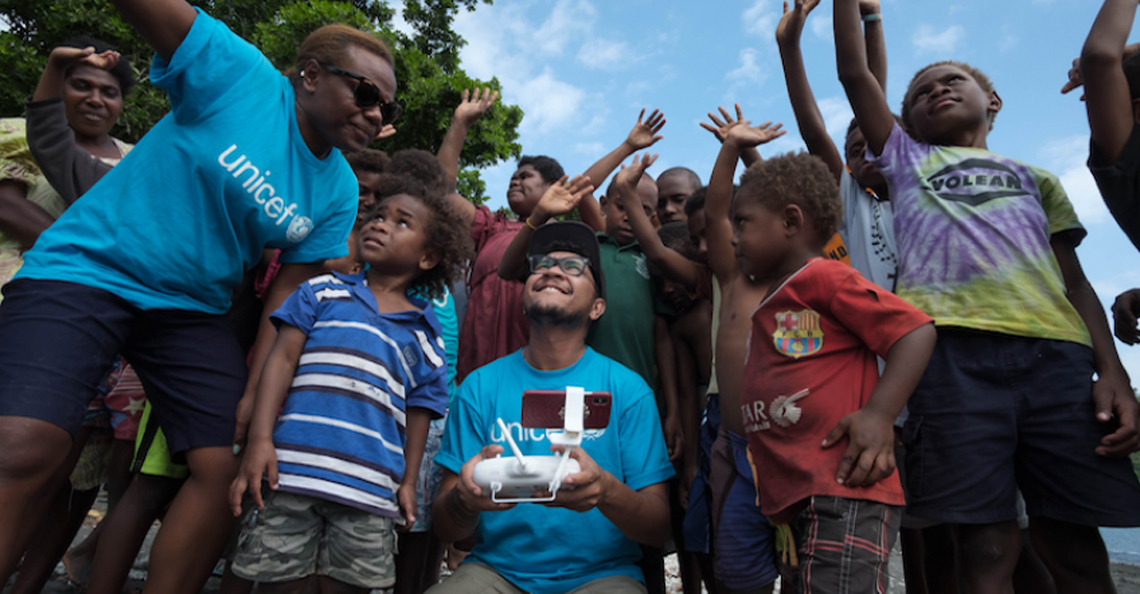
{"points": [[586, 539]]}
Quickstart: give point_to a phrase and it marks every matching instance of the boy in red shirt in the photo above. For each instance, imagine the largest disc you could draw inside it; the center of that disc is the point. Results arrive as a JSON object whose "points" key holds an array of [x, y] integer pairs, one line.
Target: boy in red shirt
{"points": [[811, 379]]}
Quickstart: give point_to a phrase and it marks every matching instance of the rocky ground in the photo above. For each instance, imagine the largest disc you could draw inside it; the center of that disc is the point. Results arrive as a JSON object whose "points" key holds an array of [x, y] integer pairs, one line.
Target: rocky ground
{"points": [[1127, 577]]}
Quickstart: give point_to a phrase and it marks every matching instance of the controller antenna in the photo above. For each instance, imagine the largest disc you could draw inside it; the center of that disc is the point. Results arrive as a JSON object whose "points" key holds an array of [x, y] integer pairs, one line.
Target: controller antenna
{"points": [[514, 446]]}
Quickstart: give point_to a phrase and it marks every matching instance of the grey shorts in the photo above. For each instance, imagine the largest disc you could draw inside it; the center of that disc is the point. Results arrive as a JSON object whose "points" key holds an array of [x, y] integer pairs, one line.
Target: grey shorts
{"points": [[296, 536]]}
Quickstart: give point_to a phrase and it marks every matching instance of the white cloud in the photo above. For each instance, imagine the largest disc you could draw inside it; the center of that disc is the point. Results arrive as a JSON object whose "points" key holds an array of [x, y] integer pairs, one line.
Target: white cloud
{"points": [[837, 116], [748, 70], [548, 102], [821, 25], [928, 39], [603, 55], [499, 43], [491, 34], [761, 17], [1066, 158], [568, 21], [747, 74], [591, 149]]}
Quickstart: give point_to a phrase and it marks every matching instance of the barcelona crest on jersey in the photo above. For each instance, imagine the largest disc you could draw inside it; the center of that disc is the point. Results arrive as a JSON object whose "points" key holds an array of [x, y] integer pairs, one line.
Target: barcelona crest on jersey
{"points": [[798, 333]]}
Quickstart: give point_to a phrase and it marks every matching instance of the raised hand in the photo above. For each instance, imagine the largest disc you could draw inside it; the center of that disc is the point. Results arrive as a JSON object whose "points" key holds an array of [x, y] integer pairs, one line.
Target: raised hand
{"points": [[1125, 312], [720, 126], [631, 174], [792, 23], [71, 56], [1075, 80], [645, 134], [474, 104], [562, 197], [744, 135]]}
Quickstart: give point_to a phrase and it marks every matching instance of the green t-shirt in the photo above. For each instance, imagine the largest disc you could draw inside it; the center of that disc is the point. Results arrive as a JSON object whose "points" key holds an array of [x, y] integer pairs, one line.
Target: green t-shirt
{"points": [[625, 332]]}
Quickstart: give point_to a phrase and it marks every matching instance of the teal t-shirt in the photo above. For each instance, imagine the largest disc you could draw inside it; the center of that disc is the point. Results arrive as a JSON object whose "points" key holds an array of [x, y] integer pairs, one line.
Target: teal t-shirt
{"points": [[542, 549], [224, 175], [625, 332]]}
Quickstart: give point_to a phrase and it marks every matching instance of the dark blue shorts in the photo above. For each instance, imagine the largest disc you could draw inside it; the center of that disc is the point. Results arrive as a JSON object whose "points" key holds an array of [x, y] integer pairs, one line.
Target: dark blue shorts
{"points": [[994, 412], [58, 340], [697, 526], [744, 545]]}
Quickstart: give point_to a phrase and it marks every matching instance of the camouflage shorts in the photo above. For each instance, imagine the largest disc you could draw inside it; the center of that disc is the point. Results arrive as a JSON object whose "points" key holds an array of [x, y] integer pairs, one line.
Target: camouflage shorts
{"points": [[296, 536]]}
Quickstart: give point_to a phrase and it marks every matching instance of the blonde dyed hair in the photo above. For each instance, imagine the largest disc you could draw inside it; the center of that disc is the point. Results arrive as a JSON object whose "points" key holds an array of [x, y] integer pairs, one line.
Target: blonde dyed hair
{"points": [[330, 44]]}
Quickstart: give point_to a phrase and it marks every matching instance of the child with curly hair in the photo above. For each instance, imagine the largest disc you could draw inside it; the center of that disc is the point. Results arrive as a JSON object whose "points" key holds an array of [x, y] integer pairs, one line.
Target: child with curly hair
{"points": [[359, 367]]}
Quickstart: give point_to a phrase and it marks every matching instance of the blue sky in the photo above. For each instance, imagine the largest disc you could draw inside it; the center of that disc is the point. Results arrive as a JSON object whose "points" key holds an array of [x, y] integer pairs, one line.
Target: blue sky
{"points": [[582, 70]]}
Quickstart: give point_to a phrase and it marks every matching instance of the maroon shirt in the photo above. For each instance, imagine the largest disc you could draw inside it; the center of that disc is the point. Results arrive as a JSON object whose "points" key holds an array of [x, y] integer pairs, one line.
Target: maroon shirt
{"points": [[494, 325]]}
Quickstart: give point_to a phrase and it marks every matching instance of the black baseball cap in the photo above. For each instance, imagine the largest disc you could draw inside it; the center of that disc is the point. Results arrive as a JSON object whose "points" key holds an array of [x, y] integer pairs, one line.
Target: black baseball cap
{"points": [[570, 236]]}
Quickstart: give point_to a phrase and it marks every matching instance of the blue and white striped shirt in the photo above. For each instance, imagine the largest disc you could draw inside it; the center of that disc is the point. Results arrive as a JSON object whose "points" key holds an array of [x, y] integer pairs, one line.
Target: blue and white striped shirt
{"points": [[341, 433]]}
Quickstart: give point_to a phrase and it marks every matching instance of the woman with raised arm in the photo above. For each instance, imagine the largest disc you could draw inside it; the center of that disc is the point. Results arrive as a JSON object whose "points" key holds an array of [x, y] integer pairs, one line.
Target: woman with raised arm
{"points": [[145, 264]]}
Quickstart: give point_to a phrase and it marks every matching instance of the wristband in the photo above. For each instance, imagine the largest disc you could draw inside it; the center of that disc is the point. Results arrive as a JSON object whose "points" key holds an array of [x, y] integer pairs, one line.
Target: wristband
{"points": [[870, 18], [531, 225]]}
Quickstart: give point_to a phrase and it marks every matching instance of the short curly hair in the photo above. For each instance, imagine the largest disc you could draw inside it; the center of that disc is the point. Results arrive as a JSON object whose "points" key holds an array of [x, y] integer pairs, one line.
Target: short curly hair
{"points": [[908, 100], [550, 169], [370, 160], [445, 234], [696, 201], [421, 165], [675, 235], [795, 178]]}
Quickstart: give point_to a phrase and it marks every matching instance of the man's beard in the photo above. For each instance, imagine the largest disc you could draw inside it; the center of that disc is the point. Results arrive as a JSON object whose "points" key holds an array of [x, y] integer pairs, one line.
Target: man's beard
{"points": [[553, 317]]}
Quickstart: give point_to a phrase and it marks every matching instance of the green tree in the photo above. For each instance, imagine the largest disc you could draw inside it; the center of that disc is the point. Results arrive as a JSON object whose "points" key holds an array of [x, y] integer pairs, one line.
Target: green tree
{"points": [[427, 63]]}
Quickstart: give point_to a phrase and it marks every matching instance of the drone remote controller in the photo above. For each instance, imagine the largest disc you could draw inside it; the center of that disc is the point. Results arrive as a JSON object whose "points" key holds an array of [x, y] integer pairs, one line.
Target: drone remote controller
{"points": [[510, 480], [516, 479]]}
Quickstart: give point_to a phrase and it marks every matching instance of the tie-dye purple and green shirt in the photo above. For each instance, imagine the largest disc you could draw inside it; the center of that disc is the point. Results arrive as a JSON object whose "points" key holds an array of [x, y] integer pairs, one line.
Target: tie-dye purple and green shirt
{"points": [[973, 232]]}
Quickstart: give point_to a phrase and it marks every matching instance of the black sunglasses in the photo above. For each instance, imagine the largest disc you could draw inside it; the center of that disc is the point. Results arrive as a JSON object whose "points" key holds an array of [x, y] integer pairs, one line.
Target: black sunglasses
{"points": [[367, 94]]}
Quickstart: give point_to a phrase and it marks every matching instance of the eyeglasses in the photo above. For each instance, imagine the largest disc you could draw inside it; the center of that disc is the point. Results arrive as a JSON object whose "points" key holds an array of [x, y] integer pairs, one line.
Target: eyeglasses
{"points": [[571, 265], [367, 94]]}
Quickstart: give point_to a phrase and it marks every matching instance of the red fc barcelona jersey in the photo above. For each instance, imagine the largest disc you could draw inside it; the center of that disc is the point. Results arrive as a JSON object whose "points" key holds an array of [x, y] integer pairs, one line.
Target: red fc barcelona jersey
{"points": [[811, 361]]}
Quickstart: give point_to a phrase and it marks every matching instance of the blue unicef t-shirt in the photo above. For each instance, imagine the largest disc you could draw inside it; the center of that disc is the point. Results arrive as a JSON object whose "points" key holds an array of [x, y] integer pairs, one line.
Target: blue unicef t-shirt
{"points": [[224, 175], [541, 549]]}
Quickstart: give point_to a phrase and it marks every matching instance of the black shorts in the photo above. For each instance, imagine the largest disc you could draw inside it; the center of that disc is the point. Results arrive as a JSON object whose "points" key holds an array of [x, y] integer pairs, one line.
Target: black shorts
{"points": [[59, 339], [995, 412]]}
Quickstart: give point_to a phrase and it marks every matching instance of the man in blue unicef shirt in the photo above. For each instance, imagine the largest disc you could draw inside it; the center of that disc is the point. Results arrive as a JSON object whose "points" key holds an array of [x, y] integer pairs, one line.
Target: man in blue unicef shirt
{"points": [[589, 535]]}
